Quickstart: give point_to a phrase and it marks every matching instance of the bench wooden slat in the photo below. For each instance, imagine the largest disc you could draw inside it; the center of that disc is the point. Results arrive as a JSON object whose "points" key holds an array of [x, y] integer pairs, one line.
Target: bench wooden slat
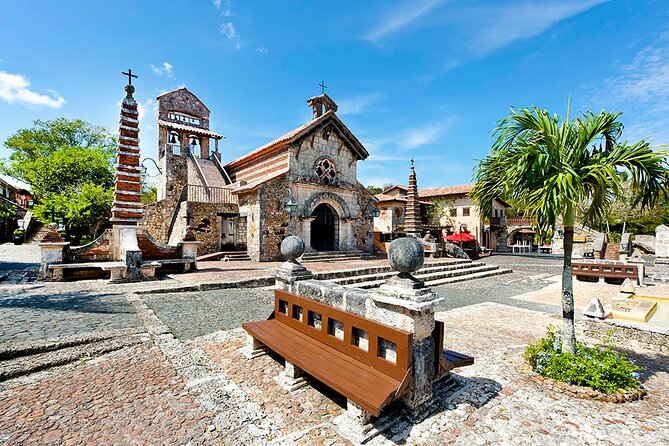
{"points": [[447, 360], [359, 382]]}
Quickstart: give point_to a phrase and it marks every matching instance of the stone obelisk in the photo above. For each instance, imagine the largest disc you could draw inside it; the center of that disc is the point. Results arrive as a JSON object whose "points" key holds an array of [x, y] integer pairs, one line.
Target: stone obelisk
{"points": [[127, 206], [412, 210]]}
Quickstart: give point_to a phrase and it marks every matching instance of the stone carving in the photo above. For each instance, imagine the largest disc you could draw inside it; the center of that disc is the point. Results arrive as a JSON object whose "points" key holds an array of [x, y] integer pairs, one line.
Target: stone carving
{"points": [[453, 250], [595, 309]]}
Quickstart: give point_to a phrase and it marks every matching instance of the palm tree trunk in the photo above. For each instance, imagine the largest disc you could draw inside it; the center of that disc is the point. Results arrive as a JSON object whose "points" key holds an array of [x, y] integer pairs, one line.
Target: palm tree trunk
{"points": [[568, 333]]}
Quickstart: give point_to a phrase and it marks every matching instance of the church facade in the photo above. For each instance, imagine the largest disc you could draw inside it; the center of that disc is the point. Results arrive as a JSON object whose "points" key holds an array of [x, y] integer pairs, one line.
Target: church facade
{"points": [[302, 183]]}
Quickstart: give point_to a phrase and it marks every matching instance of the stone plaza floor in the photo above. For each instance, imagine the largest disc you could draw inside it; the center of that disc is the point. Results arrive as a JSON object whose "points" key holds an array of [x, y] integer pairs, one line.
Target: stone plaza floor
{"points": [[182, 380]]}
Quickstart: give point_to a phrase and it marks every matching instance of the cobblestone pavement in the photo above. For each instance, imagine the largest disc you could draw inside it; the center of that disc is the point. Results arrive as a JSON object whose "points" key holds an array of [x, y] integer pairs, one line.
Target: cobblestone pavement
{"points": [[39, 314], [130, 397], [529, 274], [193, 314]]}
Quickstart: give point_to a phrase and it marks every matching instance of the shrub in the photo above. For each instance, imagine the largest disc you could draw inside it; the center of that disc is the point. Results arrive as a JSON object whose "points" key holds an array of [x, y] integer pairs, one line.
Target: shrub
{"points": [[600, 368], [85, 240], [18, 232]]}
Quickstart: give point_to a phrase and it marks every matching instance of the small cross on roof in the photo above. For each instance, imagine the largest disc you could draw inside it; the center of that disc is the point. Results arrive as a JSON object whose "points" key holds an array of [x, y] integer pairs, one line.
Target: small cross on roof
{"points": [[323, 87], [130, 76]]}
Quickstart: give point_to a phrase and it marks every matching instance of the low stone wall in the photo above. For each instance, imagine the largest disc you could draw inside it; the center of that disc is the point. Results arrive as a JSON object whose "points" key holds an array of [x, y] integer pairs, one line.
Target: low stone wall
{"points": [[95, 251], [622, 334]]}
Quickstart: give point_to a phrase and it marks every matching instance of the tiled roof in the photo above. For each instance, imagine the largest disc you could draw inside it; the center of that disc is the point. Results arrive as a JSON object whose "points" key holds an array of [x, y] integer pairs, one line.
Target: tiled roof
{"points": [[383, 197], [253, 184], [460, 189], [293, 134], [188, 128]]}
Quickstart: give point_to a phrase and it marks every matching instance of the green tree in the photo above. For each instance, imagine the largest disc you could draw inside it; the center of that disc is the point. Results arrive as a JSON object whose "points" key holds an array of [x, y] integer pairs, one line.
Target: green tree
{"points": [[69, 166], [440, 210], [553, 167], [149, 194], [374, 190]]}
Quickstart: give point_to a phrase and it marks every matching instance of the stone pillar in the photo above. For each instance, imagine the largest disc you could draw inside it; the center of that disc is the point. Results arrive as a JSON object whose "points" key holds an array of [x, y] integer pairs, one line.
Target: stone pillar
{"points": [[636, 259], [127, 206], [625, 249], [291, 270], [409, 305], [662, 253], [292, 378], [599, 245], [52, 249]]}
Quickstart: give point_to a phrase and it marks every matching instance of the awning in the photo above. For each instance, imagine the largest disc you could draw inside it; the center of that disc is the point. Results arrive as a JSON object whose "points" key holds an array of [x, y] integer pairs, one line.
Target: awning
{"points": [[463, 236], [190, 129]]}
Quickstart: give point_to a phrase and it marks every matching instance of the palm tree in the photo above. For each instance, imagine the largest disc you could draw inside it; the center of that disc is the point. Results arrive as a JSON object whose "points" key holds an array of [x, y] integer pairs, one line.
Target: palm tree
{"points": [[553, 167]]}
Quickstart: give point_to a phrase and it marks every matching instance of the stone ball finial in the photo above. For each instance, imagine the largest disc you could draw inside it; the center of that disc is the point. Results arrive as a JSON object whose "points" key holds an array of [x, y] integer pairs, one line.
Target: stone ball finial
{"points": [[406, 255], [292, 247], [130, 89], [54, 225]]}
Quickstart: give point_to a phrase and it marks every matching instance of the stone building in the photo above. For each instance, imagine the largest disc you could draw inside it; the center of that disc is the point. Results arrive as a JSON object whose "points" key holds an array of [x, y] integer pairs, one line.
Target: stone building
{"points": [[463, 213], [244, 204]]}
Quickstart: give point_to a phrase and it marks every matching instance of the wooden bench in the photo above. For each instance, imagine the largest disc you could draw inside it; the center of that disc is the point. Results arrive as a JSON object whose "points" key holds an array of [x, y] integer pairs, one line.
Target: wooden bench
{"points": [[604, 271], [446, 360], [368, 362]]}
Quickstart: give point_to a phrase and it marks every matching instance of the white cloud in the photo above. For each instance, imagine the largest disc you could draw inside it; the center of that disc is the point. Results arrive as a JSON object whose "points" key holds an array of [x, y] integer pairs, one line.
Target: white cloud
{"points": [[165, 69], [496, 27], [15, 89], [262, 50], [227, 13], [642, 88], [423, 135], [358, 104], [229, 30], [217, 4], [401, 19]]}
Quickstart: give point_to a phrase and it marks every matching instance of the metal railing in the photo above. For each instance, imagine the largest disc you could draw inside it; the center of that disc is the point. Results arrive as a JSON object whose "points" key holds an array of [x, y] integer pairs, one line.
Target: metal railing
{"points": [[520, 221], [205, 194]]}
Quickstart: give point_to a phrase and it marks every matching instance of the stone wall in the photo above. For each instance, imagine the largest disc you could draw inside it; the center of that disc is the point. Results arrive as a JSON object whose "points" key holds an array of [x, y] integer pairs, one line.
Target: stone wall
{"points": [[623, 334], [364, 222], [95, 251], [249, 208], [157, 218], [273, 218], [317, 146], [174, 175], [206, 224]]}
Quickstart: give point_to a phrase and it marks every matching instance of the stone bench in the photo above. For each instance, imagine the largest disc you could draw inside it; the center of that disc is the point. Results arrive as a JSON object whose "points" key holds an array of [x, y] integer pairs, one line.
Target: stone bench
{"points": [[116, 269]]}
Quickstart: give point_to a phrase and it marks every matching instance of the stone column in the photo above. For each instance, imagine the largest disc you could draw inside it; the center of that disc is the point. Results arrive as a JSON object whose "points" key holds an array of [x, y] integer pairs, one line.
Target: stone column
{"points": [[52, 250], [404, 302], [412, 215], [636, 259], [599, 245], [662, 253], [625, 249]]}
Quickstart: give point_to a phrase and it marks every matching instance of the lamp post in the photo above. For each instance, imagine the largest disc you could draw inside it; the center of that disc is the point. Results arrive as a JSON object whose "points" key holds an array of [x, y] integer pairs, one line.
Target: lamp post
{"points": [[144, 169], [290, 205]]}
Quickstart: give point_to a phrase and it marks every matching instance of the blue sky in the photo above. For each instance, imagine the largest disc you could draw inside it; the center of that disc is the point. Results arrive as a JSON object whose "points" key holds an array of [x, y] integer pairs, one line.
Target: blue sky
{"points": [[426, 79]]}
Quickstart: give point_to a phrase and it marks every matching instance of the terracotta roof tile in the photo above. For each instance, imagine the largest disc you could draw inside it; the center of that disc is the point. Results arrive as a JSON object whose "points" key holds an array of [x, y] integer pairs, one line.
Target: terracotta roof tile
{"points": [[460, 189]]}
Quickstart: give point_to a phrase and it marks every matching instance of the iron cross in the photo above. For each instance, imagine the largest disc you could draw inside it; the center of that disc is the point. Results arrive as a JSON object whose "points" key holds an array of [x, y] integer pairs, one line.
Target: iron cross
{"points": [[130, 76], [323, 87], [188, 218], [411, 162]]}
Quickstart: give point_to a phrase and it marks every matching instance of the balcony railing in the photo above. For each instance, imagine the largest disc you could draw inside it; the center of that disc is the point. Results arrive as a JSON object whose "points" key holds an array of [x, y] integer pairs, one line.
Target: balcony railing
{"points": [[520, 221], [205, 194]]}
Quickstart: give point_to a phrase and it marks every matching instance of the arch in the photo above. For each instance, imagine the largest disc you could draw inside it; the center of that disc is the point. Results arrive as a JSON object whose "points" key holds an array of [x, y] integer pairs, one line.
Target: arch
{"points": [[511, 237], [324, 228], [334, 200]]}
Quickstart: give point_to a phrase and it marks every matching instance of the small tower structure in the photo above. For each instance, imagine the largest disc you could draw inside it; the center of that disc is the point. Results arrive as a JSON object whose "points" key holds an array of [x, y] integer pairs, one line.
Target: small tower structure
{"points": [[412, 210]]}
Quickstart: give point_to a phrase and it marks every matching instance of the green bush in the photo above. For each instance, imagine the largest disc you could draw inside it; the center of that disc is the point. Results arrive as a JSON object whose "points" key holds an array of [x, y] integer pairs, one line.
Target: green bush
{"points": [[599, 368], [18, 232], [85, 240]]}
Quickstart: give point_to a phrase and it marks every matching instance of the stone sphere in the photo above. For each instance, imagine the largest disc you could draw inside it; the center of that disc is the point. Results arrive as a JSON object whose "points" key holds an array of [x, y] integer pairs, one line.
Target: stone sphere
{"points": [[292, 247], [406, 255]]}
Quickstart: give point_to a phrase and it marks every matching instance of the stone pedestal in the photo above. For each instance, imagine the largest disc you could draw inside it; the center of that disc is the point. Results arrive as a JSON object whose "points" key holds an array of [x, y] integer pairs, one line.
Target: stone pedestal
{"points": [[189, 251], [599, 245], [253, 348], [51, 253], [662, 253], [292, 378], [291, 271], [640, 266], [358, 425]]}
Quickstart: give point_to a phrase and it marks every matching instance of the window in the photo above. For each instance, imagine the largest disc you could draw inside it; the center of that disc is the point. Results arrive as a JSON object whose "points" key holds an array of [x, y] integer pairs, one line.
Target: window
{"points": [[183, 118], [454, 212], [465, 212], [326, 172]]}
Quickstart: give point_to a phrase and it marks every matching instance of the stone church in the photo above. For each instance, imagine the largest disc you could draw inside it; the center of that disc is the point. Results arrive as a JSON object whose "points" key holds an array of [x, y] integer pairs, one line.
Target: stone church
{"points": [[302, 183]]}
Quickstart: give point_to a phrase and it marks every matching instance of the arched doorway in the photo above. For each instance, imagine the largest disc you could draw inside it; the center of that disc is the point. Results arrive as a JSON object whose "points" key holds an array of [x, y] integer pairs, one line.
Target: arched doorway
{"points": [[325, 228]]}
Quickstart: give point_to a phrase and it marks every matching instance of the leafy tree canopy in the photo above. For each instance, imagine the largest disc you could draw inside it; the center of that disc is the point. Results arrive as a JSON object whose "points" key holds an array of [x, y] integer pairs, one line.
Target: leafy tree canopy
{"points": [[69, 166]]}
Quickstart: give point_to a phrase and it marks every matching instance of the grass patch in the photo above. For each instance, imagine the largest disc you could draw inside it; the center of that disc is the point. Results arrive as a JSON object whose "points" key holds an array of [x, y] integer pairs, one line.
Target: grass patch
{"points": [[600, 368]]}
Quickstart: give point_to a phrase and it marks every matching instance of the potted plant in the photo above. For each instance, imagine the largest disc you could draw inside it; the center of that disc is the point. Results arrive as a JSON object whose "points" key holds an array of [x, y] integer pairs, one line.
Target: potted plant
{"points": [[18, 236]]}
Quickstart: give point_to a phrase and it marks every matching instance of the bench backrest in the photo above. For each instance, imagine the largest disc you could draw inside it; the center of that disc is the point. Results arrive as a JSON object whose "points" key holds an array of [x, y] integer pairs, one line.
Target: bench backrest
{"points": [[360, 338], [594, 269]]}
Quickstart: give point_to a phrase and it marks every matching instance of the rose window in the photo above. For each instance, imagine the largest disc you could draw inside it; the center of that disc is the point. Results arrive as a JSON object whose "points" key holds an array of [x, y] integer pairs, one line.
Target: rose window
{"points": [[326, 171]]}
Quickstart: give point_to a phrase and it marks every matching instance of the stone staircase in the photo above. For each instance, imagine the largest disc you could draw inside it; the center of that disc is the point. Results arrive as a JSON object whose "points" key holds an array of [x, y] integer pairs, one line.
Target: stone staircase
{"points": [[38, 233], [433, 273], [225, 256], [330, 256], [211, 173]]}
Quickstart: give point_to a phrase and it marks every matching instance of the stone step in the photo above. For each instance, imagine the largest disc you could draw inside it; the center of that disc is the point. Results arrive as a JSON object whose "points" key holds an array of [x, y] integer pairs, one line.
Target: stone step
{"points": [[443, 277], [388, 273], [370, 270], [334, 256], [24, 365]]}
